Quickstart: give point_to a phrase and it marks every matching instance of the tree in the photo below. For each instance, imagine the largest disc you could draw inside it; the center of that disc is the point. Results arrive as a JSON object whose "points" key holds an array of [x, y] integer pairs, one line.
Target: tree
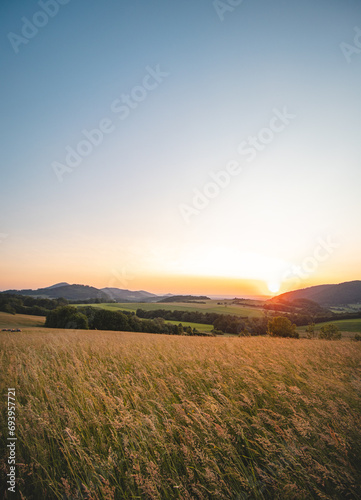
{"points": [[8, 309], [282, 327], [188, 330], [66, 317], [329, 332]]}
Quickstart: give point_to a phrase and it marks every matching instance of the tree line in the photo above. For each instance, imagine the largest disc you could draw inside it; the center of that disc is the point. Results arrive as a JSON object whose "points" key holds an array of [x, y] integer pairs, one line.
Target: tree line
{"points": [[101, 319], [222, 323]]}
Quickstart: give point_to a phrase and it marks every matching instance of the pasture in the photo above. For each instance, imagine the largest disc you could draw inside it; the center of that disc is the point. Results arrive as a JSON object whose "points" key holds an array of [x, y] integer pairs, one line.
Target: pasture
{"points": [[345, 325], [348, 327], [112, 415]]}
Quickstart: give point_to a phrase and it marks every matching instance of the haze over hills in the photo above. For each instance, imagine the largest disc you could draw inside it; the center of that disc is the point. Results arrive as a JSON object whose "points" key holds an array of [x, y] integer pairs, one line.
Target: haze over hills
{"points": [[119, 295], [326, 295]]}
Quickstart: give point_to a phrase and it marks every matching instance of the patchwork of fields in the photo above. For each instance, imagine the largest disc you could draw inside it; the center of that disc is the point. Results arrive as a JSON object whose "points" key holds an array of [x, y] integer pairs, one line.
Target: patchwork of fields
{"points": [[111, 415], [211, 306]]}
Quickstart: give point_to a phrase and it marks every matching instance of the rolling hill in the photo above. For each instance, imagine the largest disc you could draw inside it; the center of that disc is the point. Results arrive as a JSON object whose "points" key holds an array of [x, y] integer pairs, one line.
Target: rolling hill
{"points": [[325, 295]]}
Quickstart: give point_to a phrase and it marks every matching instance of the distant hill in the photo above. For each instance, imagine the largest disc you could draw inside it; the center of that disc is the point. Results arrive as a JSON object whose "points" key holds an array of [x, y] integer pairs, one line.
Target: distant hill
{"points": [[63, 283], [325, 295], [120, 295], [66, 291], [184, 298], [84, 292]]}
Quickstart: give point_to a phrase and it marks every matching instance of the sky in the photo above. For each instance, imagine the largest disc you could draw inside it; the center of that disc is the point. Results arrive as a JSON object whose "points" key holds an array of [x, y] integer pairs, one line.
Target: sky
{"points": [[193, 146]]}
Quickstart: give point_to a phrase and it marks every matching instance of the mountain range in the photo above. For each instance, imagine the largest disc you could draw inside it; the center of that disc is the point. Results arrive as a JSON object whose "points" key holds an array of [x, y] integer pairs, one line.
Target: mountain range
{"points": [[84, 292]]}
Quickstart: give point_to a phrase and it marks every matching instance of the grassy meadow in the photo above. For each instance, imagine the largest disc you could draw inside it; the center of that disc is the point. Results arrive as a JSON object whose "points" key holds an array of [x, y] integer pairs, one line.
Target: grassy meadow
{"points": [[20, 320], [345, 325], [112, 415]]}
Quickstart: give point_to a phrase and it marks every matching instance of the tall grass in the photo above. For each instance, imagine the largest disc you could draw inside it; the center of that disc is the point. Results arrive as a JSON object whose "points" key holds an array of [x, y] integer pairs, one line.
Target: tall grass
{"points": [[107, 415]]}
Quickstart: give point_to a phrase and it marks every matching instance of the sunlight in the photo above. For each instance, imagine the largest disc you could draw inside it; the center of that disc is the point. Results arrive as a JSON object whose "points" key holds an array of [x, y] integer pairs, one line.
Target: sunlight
{"points": [[273, 286], [230, 263]]}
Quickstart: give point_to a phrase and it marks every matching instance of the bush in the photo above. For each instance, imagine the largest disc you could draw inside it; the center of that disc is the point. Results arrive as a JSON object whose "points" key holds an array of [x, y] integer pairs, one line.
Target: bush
{"points": [[357, 337], [329, 332], [282, 327], [310, 331]]}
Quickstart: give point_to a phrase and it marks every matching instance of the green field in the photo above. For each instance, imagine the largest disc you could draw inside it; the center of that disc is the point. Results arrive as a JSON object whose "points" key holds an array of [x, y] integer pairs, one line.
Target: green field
{"points": [[112, 415], [201, 327], [210, 306], [345, 326]]}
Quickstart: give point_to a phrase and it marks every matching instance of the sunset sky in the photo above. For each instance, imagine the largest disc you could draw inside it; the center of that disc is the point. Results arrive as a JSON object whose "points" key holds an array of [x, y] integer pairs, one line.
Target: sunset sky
{"points": [[184, 147]]}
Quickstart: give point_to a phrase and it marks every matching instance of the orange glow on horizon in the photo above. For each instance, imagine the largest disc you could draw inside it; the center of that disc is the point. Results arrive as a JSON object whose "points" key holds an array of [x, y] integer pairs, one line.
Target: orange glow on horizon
{"points": [[160, 284]]}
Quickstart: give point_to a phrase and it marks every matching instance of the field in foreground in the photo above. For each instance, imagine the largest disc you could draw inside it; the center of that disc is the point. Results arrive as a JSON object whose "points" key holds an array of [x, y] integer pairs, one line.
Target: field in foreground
{"points": [[103, 415]]}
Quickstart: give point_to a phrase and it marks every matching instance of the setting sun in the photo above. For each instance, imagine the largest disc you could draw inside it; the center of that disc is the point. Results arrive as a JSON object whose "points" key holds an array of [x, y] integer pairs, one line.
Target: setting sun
{"points": [[273, 286]]}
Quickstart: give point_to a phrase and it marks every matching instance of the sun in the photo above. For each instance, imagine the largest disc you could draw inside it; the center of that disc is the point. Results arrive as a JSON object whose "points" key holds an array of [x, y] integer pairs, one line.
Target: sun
{"points": [[273, 286]]}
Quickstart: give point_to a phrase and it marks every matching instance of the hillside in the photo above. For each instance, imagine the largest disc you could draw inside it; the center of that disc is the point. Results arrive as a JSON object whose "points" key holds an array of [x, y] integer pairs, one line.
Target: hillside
{"points": [[325, 295]]}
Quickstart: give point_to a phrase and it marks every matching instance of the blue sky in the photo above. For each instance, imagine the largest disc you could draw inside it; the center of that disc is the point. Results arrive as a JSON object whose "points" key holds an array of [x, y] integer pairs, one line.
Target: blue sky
{"points": [[118, 212]]}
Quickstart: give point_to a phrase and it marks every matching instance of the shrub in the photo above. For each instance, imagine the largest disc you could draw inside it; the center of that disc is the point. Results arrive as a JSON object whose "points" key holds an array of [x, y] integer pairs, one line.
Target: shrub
{"points": [[329, 332], [310, 331]]}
